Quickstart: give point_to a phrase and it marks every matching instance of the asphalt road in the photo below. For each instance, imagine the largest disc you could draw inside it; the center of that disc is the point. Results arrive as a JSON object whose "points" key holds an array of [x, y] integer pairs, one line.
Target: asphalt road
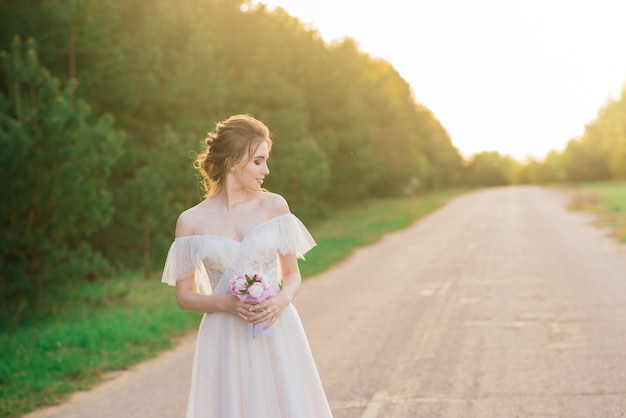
{"points": [[501, 304]]}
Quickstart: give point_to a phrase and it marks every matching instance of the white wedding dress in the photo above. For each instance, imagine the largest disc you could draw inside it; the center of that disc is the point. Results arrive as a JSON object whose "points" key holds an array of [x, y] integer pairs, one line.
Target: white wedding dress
{"points": [[235, 375]]}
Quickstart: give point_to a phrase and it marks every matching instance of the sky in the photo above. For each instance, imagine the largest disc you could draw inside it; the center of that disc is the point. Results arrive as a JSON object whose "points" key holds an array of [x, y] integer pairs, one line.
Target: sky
{"points": [[521, 77]]}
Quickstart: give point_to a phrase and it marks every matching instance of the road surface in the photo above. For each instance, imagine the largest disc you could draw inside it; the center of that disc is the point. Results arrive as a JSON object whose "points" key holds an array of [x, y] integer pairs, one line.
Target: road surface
{"points": [[500, 304]]}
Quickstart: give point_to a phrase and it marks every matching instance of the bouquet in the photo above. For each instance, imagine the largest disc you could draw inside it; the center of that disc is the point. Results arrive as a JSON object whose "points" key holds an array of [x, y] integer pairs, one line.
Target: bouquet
{"points": [[252, 289]]}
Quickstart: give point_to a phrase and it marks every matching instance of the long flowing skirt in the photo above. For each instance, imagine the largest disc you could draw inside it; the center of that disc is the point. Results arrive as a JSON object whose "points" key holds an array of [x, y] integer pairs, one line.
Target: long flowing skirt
{"points": [[235, 375]]}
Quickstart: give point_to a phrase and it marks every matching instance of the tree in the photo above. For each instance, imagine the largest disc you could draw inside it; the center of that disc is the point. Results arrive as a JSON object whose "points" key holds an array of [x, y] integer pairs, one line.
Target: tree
{"points": [[611, 128], [55, 168], [582, 161], [490, 168], [167, 71], [152, 186]]}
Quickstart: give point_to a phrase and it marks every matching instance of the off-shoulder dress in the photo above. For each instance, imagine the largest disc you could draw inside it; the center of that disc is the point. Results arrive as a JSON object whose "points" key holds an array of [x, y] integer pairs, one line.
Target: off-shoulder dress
{"points": [[235, 375]]}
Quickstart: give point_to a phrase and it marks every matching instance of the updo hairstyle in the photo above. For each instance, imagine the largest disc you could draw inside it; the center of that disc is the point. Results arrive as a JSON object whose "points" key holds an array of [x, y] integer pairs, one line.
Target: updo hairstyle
{"points": [[228, 144]]}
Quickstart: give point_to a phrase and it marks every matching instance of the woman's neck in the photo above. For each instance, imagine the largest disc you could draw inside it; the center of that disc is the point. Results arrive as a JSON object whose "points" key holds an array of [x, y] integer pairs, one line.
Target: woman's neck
{"points": [[229, 198]]}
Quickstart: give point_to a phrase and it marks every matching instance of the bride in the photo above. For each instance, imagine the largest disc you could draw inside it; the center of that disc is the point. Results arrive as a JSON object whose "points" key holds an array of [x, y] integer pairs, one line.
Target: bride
{"points": [[242, 229]]}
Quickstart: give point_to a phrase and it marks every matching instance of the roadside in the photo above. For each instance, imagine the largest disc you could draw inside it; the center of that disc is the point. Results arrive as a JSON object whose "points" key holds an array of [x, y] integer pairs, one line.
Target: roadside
{"points": [[502, 303], [162, 378], [113, 324]]}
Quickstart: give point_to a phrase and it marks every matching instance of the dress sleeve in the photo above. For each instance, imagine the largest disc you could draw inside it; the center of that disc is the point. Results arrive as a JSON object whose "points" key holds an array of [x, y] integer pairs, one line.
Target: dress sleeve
{"points": [[180, 262], [184, 260], [293, 237]]}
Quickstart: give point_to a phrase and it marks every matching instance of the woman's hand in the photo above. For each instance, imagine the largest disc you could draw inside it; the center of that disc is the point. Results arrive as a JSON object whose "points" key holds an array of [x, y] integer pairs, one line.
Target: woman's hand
{"points": [[269, 310], [243, 310]]}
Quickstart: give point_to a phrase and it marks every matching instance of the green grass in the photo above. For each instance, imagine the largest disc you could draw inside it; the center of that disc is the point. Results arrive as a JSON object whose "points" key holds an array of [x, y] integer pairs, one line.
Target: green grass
{"points": [[608, 201], [113, 324], [339, 235], [107, 326]]}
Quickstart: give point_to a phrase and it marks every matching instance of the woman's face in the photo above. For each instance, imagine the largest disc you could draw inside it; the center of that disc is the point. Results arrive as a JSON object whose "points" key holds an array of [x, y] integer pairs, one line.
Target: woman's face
{"points": [[250, 171]]}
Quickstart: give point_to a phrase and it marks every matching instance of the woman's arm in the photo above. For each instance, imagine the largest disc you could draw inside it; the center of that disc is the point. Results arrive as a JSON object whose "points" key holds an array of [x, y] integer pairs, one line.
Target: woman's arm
{"points": [[188, 300], [291, 276]]}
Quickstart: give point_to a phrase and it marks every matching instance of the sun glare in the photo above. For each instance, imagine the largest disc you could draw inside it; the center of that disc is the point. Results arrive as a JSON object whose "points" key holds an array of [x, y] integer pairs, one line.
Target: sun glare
{"points": [[518, 77]]}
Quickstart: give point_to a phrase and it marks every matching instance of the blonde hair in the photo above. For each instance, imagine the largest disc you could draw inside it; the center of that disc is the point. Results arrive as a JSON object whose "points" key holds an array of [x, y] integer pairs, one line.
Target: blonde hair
{"points": [[228, 144]]}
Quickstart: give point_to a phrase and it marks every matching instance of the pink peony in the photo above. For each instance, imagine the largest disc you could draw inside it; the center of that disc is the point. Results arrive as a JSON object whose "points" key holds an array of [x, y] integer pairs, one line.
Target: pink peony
{"points": [[239, 285], [252, 288], [256, 289]]}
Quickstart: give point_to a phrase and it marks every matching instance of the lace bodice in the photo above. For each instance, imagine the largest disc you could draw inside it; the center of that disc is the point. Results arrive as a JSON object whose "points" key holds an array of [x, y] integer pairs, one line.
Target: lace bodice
{"points": [[214, 260]]}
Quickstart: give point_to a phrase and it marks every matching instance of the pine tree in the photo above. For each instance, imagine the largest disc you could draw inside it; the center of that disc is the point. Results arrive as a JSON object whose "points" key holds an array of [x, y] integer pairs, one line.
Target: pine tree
{"points": [[55, 165]]}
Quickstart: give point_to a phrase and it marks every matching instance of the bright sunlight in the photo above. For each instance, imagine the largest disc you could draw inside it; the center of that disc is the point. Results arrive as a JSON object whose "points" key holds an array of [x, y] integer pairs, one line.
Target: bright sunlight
{"points": [[520, 77]]}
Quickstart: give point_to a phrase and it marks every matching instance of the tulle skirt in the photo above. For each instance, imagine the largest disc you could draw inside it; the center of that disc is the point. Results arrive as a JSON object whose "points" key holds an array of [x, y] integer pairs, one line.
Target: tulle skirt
{"points": [[238, 376]]}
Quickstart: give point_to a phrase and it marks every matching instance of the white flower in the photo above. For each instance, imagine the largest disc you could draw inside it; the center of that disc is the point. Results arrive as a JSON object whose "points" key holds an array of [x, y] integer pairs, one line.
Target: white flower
{"points": [[256, 289], [239, 284]]}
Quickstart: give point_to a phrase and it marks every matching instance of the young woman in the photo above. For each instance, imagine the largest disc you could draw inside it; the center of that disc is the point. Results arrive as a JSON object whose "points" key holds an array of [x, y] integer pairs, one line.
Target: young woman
{"points": [[240, 229]]}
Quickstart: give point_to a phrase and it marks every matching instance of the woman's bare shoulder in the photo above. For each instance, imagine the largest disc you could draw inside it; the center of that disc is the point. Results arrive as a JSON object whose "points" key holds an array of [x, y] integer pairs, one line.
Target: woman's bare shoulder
{"points": [[188, 219], [274, 204]]}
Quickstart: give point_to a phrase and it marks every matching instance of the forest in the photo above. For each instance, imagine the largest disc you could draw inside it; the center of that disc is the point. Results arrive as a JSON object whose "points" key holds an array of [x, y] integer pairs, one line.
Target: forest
{"points": [[104, 105]]}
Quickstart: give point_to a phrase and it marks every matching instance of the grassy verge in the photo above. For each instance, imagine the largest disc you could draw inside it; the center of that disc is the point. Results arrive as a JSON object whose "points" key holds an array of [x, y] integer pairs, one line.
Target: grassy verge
{"points": [[608, 201], [113, 324], [107, 326]]}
